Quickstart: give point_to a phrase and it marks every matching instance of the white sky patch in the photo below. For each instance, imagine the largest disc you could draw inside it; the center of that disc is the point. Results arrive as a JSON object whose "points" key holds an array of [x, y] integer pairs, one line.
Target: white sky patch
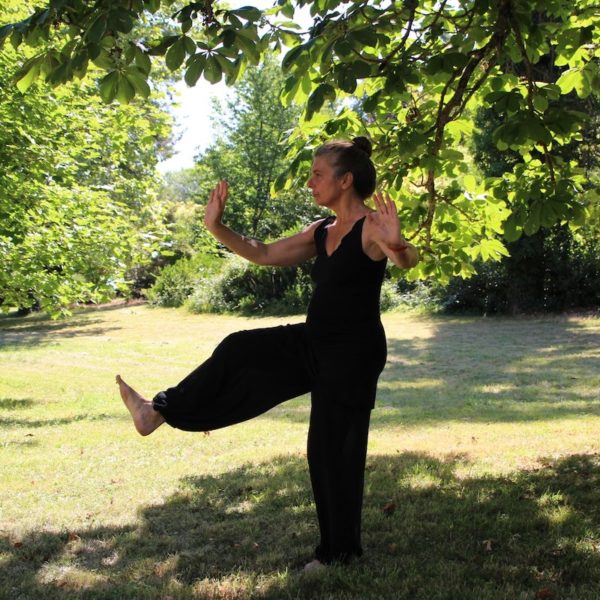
{"points": [[192, 112]]}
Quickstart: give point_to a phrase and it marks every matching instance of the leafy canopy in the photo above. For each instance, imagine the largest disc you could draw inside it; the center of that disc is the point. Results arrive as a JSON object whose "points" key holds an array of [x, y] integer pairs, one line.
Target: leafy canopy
{"points": [[408, 74], [78, 205]]}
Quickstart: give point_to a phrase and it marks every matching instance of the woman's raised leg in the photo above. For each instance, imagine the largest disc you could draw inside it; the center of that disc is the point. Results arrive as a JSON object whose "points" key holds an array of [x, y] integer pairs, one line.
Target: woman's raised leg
{"points": [[249, 373]]}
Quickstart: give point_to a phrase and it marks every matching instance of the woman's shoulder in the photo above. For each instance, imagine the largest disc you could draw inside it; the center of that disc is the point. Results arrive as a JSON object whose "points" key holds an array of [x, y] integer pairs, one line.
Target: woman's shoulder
{"points": [[310, 231], [320, 224]]}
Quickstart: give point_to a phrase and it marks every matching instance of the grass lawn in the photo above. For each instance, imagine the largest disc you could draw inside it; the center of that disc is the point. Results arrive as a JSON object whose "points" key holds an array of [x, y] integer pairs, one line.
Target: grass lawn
{"points": [[483, 477]]}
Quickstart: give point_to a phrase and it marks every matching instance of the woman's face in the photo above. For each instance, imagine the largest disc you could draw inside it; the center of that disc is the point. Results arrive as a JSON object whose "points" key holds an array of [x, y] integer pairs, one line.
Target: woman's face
{"points": [[325, 186]]}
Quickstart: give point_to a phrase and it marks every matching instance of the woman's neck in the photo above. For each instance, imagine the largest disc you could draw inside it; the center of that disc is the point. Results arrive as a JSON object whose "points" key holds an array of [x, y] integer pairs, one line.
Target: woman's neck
{"points": [[349, 210]]}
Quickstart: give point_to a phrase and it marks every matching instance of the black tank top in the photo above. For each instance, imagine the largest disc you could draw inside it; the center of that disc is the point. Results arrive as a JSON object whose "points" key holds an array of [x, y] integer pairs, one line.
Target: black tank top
{"points": [[347, 283]]}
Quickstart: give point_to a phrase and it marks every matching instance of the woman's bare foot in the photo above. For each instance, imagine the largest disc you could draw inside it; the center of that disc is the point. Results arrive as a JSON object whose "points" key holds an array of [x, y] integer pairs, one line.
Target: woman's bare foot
{"points": [[145, 418], [314, 566]]}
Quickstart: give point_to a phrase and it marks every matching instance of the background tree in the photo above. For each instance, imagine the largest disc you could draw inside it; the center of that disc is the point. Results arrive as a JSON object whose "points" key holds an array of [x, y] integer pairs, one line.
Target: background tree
{"points": [[79, 214], [250, 153], [181, 193], [416, 66], [555, 269]]}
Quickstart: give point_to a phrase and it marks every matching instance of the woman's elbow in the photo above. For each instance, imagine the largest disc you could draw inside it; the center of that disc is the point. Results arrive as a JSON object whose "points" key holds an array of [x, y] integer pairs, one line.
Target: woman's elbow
{"points": [[259, 254]]}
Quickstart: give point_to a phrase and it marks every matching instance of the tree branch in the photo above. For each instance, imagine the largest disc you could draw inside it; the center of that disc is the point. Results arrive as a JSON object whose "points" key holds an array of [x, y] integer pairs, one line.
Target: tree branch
{"points": [[445, 113], [462, 211], [491, 64], [531, 89], [431, 206]]}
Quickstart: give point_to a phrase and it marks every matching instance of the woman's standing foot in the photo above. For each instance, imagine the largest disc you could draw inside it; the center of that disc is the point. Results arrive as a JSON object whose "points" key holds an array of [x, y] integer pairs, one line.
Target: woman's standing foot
{"points": [[314, 566], [145, 418]]}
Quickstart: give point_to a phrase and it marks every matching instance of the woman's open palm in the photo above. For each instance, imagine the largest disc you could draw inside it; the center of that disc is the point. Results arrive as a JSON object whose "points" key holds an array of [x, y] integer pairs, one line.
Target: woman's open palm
{"points": [[213, 213], [385, 221]]}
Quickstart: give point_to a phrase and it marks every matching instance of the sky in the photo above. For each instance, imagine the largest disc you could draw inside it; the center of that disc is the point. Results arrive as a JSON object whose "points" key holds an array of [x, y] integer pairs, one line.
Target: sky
{"points": [[192, 112], [192, 108]]}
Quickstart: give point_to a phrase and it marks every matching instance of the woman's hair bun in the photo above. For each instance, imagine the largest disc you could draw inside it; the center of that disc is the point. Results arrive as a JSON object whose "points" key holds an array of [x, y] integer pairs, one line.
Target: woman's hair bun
{"points": [[364, 144]]}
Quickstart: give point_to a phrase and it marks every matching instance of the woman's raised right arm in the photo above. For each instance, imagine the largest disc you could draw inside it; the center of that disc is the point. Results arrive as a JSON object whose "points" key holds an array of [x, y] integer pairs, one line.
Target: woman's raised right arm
{"points": [[285, 252]]}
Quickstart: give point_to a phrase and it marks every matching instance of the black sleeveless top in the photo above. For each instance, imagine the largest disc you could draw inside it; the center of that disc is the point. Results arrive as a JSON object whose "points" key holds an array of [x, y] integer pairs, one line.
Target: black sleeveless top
{"points": [[347, 283], [344, 328]]}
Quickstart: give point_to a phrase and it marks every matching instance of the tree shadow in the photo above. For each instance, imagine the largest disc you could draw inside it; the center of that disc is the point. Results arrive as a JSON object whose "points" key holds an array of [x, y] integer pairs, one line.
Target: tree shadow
{"points": [[482, 370], [243, 534], [15, 336], [16, 403], [7, 423], [23, 444], [78, 310], [490, 370], [39, 328]]}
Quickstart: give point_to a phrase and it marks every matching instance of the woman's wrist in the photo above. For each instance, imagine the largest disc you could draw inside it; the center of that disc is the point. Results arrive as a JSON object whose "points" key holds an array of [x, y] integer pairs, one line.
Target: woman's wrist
{"points": [[400, 247], [214, 226]]}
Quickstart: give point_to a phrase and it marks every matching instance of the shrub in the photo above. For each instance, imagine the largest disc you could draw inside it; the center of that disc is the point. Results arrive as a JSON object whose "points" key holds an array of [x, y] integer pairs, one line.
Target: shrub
{"points": [[244, 287], [390, 298], [177, 282], [403, 295]]}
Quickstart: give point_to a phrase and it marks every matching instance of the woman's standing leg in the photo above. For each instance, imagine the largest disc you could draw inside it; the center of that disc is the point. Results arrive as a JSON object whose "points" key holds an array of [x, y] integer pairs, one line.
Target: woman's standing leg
{"points": [[337, 449]]}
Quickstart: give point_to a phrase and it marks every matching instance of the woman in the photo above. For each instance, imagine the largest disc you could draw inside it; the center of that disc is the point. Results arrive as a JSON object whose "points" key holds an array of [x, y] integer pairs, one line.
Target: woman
{"points": [[337, 354]]}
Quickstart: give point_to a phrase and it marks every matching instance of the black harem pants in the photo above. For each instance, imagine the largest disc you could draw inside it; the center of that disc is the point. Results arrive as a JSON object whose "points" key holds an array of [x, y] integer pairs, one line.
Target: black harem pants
{"points": [[252, 371]]}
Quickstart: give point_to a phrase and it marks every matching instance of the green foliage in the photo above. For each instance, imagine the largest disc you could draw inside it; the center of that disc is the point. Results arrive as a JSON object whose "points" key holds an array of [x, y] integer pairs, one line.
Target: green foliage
{"points": [[389, 298], [68, 247], [551, 271], [181, 186], [554, 269], [78, 209], [250, 153], [418, 296], [183, 194], [406, 74], [414, 105], [175, 283], [250, 289]]}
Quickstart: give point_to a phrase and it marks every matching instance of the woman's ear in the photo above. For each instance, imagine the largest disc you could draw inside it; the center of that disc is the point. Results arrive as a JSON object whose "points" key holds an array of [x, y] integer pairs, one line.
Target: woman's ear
{"points": [[347, 180]]}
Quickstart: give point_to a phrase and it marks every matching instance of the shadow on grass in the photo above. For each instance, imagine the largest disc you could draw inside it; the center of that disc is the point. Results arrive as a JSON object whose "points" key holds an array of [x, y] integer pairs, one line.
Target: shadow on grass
{"points": [[244, 534], [491, 370], [25, 336], [6, 423], [484, 370], [14, 317], [15, 403], [39, 329]]}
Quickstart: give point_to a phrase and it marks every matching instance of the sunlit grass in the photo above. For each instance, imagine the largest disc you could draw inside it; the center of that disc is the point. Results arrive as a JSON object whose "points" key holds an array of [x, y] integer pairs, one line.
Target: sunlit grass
{"points": [[485, 442]]}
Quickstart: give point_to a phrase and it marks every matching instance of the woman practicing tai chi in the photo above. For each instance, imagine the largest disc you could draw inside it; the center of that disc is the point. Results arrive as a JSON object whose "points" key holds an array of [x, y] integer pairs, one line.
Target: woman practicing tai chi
{"points": [[336, 355]]}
